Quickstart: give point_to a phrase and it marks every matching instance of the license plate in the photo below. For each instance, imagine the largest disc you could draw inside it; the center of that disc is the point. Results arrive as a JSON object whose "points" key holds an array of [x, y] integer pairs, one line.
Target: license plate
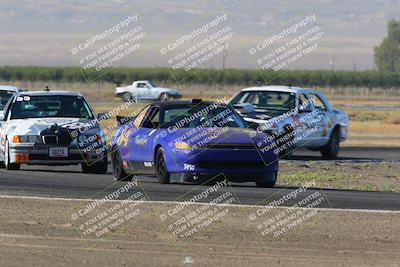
{"points": [[58, 152]]}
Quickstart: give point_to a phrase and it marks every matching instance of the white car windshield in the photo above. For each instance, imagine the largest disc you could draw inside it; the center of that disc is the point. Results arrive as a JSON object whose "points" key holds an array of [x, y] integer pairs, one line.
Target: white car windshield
{"points": [[152, 84], [266, 100], [51, 106]]}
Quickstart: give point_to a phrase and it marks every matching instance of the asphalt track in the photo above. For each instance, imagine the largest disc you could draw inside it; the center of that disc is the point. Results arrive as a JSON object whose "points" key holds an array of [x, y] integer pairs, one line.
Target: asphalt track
{"points": [[69, 182]]}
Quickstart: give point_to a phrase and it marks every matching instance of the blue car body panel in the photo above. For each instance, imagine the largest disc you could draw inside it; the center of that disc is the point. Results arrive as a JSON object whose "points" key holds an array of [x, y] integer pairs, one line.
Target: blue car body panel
{"points": [[230, 151]]}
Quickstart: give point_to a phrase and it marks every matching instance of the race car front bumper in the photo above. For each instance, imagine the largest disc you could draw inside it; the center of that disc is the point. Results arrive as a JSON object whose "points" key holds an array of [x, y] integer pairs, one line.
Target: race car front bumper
{"points": [[195, 177], [28, 154], [247, 165]]}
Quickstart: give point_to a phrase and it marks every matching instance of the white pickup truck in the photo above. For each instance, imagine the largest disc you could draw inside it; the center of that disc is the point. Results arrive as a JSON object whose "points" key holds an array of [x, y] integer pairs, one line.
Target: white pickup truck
{"points": [[146, 90]]}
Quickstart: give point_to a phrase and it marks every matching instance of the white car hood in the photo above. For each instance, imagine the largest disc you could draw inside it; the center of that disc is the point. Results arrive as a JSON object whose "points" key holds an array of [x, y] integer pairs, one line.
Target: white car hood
{"points": [[35, 126]]}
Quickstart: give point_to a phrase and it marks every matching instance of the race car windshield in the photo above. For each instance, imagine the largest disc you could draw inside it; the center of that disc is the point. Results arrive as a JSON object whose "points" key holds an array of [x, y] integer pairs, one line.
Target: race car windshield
{"points": [[4, 97], [203, 116], [152, 84], [50, 107], [270, 101]]}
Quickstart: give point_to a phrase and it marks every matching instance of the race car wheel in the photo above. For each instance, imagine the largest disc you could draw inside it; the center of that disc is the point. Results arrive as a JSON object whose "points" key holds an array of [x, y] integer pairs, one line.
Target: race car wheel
{"points": [[95, 168], [126, 96], [119, 173], [164, 97], [331, 150], [268, 184], [7, 164], [86, 168], [100, 167], [287, 135], [163, 175]]}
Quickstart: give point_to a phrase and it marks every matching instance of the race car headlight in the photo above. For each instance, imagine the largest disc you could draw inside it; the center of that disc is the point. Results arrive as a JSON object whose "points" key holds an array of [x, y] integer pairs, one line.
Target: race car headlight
{"points": [[24, 139], [182, 146]]}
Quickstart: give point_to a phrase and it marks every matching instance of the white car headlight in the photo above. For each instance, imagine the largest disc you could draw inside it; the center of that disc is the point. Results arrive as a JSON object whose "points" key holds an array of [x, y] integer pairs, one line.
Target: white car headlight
{"points": [[32, 138], [24, 139]]}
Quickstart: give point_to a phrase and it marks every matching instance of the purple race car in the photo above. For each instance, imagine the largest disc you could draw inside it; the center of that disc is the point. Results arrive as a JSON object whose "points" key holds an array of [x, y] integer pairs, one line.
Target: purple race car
{"points": [[184, 141]]}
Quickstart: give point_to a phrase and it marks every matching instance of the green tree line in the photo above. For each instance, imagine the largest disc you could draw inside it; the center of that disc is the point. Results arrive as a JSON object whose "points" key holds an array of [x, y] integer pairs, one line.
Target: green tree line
{"points": [[123, 75]]}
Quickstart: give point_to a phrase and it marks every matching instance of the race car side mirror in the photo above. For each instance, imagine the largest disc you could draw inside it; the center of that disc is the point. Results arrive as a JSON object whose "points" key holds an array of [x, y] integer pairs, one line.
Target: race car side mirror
{"points": [[305, 110], [2, 116], [102, 115]]}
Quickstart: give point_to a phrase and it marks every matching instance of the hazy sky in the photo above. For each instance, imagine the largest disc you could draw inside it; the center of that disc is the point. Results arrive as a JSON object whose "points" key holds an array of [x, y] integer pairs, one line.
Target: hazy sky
{"points": [[43, 32]]}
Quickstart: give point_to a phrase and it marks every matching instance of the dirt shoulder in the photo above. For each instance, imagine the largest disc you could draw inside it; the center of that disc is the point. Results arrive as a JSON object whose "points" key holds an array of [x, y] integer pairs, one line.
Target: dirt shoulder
{"points": [[370, 176], [41, 232]]}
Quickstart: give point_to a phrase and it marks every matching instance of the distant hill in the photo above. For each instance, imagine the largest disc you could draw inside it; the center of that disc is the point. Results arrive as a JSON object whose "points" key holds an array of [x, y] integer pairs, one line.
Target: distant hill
{"points": [[42, 32]]}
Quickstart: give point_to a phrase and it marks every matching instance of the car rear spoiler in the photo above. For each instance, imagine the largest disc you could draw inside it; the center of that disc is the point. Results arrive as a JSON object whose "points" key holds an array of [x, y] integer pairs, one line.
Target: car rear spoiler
{"points": [[124, 119]]}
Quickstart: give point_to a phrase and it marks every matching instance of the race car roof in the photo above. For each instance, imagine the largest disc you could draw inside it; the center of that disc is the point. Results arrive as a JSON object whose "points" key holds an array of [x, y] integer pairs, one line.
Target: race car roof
{"points": [[163, 104], [289, 89], [49, 93], [10, 88]]}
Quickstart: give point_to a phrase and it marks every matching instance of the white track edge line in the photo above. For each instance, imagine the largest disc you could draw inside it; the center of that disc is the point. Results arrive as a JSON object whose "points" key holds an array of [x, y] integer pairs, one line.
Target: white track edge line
{"points": [[194, 203]]}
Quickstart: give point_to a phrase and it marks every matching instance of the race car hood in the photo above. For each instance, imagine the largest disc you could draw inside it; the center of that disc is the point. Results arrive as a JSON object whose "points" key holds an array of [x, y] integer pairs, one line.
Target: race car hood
{"points": [[224, 135], [35, 126]]}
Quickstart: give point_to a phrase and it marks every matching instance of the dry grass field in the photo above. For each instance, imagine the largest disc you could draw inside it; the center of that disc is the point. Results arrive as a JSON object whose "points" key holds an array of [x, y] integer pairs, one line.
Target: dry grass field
{"points": [[40, 232]]}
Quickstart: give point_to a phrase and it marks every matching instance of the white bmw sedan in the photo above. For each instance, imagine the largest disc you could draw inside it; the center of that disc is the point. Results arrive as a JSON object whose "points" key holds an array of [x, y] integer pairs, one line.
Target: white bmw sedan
{"points": [[51, 128]]}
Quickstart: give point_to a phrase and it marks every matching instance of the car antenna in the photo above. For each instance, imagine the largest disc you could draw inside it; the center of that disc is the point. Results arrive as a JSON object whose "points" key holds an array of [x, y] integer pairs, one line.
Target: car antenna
{"points": [[46, 88]]}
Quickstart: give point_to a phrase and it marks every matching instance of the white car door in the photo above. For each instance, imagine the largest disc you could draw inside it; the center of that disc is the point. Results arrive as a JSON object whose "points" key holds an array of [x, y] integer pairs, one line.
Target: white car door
{"points": [[140, 91], [320, 121], [147, 92], [305, 121]]}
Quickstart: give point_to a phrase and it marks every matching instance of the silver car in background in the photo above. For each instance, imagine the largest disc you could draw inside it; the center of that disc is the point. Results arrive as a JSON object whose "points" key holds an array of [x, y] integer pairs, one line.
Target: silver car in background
{"points": [[146, 90], [295, 117], [51, 128]]}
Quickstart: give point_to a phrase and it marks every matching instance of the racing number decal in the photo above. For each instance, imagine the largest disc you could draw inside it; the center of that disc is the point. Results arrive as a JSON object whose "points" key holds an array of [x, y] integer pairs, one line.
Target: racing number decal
{"points": [[124, 137]]}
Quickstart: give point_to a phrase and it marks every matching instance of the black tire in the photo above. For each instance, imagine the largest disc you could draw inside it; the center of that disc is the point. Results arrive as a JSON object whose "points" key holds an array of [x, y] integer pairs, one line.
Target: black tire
{"points": [[7, 164], [126, 96], [3, 163], [331, 150], [101, 167], [163, 175], [95, 168], [266, 184], [118, 171], [287, 152], [86, 168], [164, 97]]}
